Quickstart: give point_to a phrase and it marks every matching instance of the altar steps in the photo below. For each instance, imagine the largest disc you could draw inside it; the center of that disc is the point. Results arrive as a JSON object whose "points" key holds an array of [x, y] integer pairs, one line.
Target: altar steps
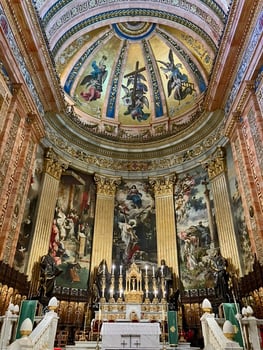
{"points": [[93, 345]]}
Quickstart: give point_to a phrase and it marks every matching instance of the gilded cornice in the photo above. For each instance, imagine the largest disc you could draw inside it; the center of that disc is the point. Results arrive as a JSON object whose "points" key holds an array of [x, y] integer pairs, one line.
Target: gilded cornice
{"points": [[164, 133], [234, 117], [217, 69], [28, 50], [248, 89], [232, 120], [53, 165], [33, 120], [106, 185], [228, 61], [79, 146], [248, 39], [163, 185]]}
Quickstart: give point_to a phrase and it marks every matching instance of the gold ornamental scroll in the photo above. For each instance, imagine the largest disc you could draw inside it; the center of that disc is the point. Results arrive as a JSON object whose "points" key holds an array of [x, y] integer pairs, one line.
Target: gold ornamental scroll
{"points": [[165, 220], [216, 168], [52, 171], [104, 216]]}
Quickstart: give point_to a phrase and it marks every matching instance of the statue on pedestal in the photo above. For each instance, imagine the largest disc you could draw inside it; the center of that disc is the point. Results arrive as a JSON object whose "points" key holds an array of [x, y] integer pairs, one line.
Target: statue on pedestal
{"points": [[164, 275], [173, 300], [48, 273], [219, 265]]}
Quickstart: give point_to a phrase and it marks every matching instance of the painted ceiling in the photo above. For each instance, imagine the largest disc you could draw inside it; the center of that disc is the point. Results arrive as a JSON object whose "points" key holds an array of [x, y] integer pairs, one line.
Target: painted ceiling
{"points": [[127, 66]]}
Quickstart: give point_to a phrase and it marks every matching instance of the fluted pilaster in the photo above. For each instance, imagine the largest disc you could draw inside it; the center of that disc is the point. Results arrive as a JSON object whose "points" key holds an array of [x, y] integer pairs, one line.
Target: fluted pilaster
{"points": [[52, 171], [225, 225], [104, 216], [165, 220]]}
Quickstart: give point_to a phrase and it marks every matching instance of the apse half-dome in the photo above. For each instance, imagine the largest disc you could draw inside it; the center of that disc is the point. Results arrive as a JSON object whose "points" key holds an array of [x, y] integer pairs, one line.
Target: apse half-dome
{"points": [[128, 70], [134, 74]]}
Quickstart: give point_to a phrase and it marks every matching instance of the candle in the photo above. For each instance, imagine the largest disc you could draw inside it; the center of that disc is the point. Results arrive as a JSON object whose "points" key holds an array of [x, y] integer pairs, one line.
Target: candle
{"points": [[153, 270], [112, 269], [146, 268], [120, 269]]}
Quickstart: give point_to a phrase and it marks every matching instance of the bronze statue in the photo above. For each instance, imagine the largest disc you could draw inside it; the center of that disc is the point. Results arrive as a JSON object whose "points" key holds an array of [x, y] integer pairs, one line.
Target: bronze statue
{"points": [[48, 272], [219, 265]]}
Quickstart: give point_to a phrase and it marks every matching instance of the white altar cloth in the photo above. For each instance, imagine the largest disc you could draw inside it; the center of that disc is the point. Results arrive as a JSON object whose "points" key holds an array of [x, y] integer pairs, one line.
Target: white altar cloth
{"points": [[130, 335]]}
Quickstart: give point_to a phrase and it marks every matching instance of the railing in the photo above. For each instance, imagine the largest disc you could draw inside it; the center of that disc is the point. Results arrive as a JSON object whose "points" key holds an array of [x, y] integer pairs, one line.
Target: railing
{"points": [[216, 336], [42, 337], [252, 331], [8, 325]]}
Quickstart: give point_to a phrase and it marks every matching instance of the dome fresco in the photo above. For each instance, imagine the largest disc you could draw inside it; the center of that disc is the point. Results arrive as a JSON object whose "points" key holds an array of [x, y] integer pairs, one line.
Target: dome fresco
{"points": [[126, 67]]}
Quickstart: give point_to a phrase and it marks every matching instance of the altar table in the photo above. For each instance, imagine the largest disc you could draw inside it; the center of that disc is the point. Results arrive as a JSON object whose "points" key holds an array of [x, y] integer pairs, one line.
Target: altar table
{"points": [[130, 335]]}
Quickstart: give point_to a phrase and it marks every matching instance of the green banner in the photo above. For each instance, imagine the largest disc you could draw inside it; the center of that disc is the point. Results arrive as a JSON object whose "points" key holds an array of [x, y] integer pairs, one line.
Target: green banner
{"points": [[27, 310], [230, 311], [172, 328]]}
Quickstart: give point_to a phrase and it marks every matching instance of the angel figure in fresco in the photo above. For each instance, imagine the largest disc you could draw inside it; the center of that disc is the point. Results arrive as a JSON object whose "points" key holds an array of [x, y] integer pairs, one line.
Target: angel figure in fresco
{"points": [[135, 95], [93, 82], [177, 81]]}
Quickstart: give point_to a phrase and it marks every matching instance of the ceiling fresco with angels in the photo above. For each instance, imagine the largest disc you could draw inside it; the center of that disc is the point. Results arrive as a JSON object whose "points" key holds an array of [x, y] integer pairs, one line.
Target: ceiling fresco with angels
{"points": [[133, 66]]}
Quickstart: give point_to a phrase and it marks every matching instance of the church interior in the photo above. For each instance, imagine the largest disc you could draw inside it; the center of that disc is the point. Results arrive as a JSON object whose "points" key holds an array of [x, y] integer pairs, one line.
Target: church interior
{"points": [[131, 160]]}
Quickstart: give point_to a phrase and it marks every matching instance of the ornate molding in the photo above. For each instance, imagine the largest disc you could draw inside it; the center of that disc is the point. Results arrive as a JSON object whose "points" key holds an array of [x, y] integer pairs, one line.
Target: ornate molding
{"points": [[231, 123], [33, 121], [82, 148], [106, 185]]}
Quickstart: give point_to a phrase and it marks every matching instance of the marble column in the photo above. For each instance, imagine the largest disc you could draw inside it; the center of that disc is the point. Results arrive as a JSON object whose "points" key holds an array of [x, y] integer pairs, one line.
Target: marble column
{"points": [[104, 216], [216, 168], [165, 221], [52, 170]]}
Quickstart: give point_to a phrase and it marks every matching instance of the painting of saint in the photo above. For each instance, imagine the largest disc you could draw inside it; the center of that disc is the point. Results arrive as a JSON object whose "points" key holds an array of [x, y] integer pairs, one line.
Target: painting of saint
{"points": [[196, 237], [134, 225], [72, 229]]}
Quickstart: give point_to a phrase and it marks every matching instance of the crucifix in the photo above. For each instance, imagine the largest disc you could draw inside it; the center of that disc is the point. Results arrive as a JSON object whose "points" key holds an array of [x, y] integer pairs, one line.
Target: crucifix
{"points": [[123, 343], [135, 75], [137, 343]]}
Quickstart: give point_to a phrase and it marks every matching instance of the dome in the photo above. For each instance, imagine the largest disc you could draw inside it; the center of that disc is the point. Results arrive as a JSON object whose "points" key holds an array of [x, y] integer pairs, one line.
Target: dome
{"points": [[134, 73]]}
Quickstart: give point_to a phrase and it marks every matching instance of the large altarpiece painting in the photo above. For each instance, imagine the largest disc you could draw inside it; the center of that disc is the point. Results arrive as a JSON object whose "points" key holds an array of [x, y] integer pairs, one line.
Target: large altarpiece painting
{"points": [[196, 231], [134, 232], [72, 229]]}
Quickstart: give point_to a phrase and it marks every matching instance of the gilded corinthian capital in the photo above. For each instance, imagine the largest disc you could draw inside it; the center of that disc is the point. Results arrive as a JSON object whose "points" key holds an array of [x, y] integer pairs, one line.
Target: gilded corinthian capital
{"points": [[53, 165], [163, 184], [106, 185], [216, 165]]}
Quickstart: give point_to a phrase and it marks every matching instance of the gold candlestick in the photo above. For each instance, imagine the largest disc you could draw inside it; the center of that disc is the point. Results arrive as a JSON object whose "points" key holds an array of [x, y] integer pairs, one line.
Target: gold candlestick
{"points": [[120, 288], [112, 288]]}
